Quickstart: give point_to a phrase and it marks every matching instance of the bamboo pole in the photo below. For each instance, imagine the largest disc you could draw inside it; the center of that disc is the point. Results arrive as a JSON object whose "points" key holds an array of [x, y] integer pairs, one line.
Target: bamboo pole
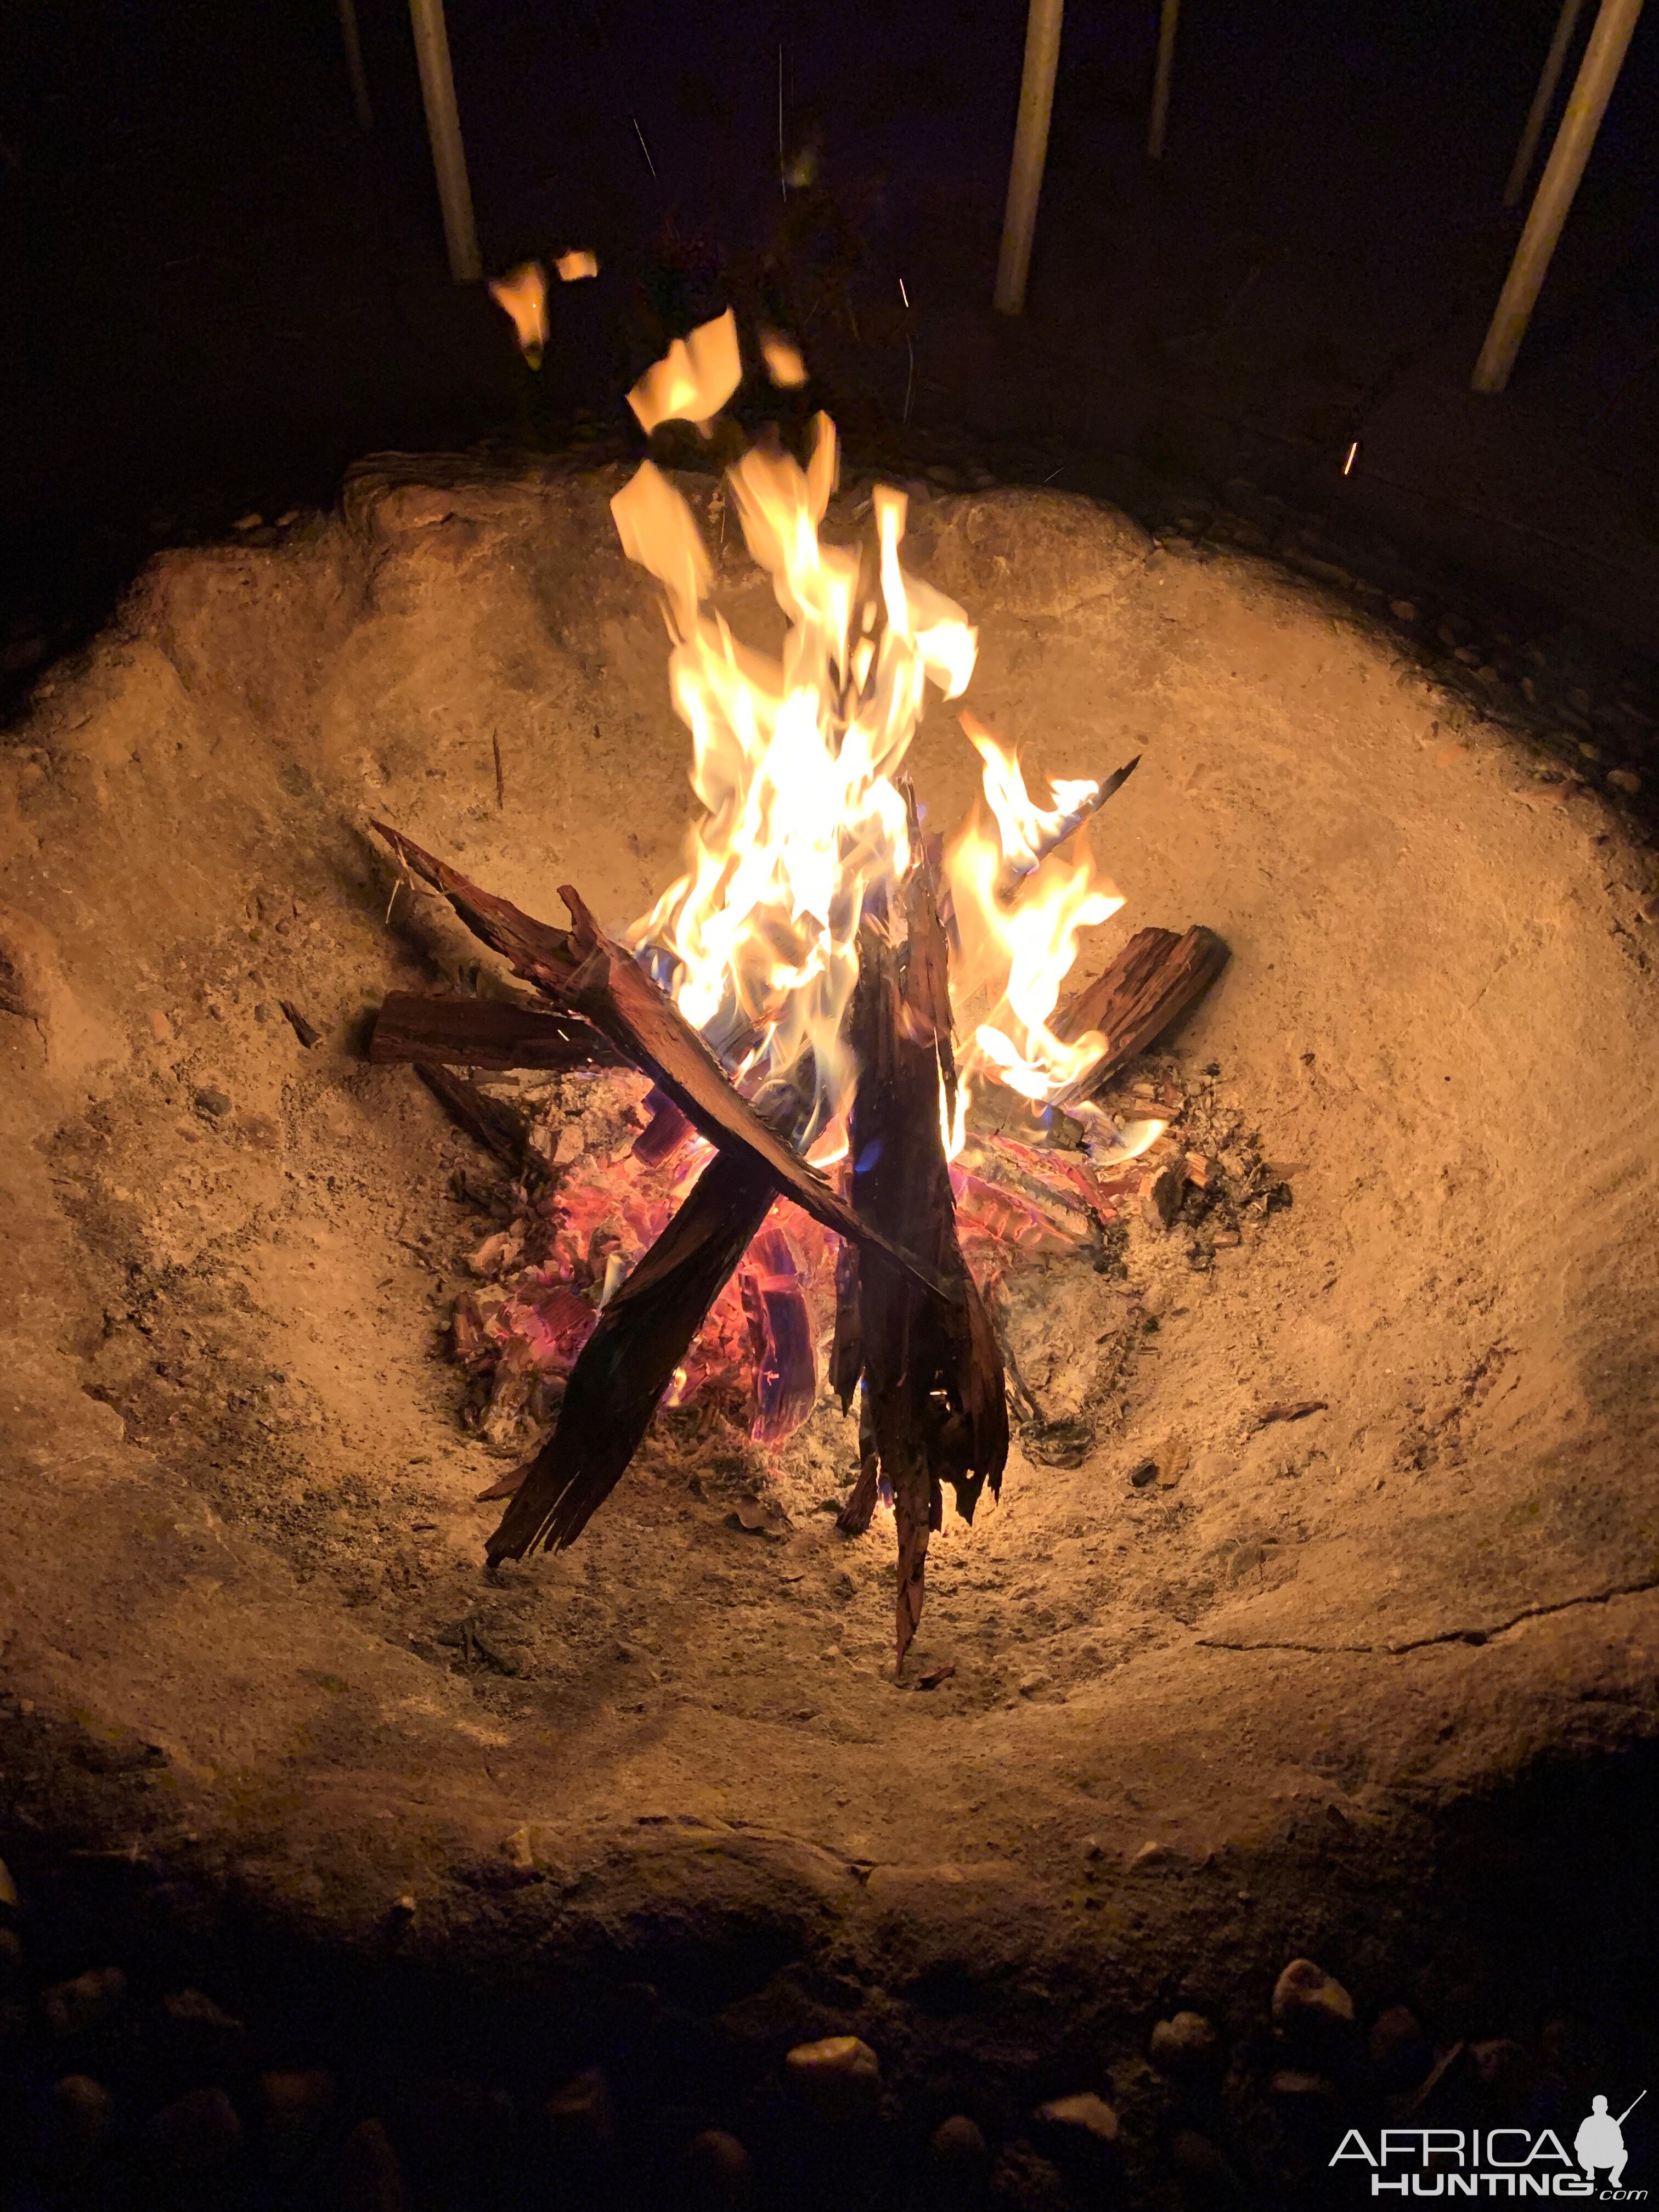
{"points": [[1542, 101], [354, 61], [443, 124], [1159, 119], [1036, 100], [1586, 105]]}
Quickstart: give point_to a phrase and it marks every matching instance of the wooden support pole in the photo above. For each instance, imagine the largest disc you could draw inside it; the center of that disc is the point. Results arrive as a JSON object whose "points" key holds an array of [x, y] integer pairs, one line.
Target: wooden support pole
{"points": [[1036, 100], [1586, 105], [1158, 121], [1542, 101], [443, 124], [354, 61]]}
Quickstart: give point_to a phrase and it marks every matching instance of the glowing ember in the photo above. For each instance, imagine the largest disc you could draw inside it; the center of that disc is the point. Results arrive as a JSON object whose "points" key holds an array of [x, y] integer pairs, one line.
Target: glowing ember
{"points": [[783, 362], [522, 292]]}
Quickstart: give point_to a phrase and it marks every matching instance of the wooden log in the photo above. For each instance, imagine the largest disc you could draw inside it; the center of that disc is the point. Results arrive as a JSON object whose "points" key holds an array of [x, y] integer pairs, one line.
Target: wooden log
{"points": [[1151, 983], [643, 1334], [585, 972], [932, 1374], [484, 1033]]}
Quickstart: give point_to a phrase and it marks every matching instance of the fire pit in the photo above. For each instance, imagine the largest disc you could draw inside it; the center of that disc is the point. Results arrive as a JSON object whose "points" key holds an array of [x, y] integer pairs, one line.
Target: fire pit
{"points": [[1340, 1514]]}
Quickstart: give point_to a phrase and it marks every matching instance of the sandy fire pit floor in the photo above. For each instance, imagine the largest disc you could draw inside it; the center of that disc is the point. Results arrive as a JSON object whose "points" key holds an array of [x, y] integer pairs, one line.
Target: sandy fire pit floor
{"points": [[240, 1505]]}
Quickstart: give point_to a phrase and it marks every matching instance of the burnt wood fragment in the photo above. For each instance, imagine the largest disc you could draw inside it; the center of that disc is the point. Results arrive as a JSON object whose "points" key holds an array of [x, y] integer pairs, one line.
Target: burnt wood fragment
{"points": [[1149, 984], [485, 1033]]}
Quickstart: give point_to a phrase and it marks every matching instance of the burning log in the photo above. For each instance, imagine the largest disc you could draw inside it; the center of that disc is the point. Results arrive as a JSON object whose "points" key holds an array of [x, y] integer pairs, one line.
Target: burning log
{"points": [[933, 1407], [1151, 983], [643, 1334], [583, 971], [484, 1033]]}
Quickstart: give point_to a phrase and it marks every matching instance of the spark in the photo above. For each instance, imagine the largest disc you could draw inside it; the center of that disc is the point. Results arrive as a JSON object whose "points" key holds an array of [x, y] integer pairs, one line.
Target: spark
{"points": [[644, 148], [1353, 452]]}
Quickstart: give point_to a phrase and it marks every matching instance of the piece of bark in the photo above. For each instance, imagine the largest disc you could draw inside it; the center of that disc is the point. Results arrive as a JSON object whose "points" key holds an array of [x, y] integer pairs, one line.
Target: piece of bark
{"points": [[1151, 983], [859, 1512], [586, 973], [641, 1337], [933, 1374], [484, 1033], [487, 1120]]}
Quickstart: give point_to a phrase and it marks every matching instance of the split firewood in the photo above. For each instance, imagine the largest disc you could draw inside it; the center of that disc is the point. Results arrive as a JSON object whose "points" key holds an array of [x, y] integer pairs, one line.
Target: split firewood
{"points": [[484, 1033], [931, 1374], [1151, 983], [642, 1335], [585, 972]]}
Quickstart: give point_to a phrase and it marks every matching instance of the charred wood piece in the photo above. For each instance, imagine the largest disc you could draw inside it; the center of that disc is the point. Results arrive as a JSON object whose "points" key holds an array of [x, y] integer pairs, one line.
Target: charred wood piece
{"points": [[484, 1033], [487, 1120], [1151, 983]]}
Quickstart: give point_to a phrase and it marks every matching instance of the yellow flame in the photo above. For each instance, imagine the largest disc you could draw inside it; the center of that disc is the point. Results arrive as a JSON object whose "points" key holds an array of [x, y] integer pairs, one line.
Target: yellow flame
{"points": [[576, 264], [1027, 830], [783, 360], [522, 292], [695, 378], [793, 763]]}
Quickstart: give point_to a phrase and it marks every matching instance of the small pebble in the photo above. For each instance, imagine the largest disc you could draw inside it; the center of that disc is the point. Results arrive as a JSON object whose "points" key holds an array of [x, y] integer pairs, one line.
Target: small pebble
{"points": [[721, 2172], [838, 2078], [90, 1999], [79, 2116], [1307, 2000], [1184, 2046], [294, 2108], [371, 2179], [191, 2008], [1293, 2081], [253, 520], [1150, 1853], [159, 1027], [1399, 2049], [1506, 2071], [213, 1102], [1143, 1474], [196, 2132], [582, 2116], [1080, 2129], [1197, 2157], [1626, 780], [1032, 1685], [1648, 910], [1402, 610], [957, 2166]]}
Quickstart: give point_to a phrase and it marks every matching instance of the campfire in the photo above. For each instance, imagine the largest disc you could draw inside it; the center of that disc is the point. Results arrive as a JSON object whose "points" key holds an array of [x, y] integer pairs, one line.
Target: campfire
{"points": [[865, 1091]]}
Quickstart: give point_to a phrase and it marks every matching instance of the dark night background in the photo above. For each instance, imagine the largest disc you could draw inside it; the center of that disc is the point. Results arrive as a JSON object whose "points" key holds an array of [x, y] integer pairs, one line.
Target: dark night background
{"points": [[219, 292]]}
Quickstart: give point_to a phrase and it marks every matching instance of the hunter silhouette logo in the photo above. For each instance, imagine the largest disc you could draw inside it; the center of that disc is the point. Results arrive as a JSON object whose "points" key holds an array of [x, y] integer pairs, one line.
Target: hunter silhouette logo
{"points": [[1509, 2162], [1600, 2141]]}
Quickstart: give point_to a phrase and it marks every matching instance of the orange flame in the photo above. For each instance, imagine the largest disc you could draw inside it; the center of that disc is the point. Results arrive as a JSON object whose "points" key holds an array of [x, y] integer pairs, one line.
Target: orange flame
{"points": [[576, 264], [522, 292], [794, 763], [695, 378]]}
